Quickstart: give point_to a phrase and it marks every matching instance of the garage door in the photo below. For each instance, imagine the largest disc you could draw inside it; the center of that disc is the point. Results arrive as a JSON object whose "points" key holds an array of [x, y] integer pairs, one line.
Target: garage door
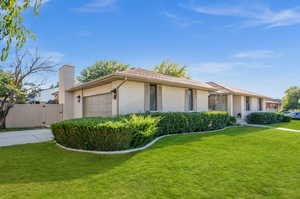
{"points": [[97, 106]]}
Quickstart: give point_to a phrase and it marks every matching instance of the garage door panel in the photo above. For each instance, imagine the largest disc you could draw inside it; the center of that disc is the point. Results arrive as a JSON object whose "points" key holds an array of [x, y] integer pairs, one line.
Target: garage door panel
{"points": [[97, 106]]}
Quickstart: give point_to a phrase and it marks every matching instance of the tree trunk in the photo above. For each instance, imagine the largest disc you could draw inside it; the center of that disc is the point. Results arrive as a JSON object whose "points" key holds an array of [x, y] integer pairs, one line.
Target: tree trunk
{"points": [[2, 123], [3, 114]]}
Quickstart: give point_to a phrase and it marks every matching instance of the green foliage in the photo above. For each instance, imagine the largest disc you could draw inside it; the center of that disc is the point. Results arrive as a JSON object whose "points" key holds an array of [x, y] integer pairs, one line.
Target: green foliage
{"points": [[291, 100], [131, 131], [100, 69], [172, 69], [9, 91], [267, 118], [11, 23], [143, 129], [179, 122], [232, 120], [105, 134]]}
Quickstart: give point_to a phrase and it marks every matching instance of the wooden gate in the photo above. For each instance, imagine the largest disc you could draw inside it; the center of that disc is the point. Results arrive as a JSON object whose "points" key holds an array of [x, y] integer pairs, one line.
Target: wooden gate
{"points": [[33, 115]]}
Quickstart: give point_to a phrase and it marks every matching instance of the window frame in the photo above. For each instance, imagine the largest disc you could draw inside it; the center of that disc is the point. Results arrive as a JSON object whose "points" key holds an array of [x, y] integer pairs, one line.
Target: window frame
{"points": [[248, 103], [155, 97], [190, 94], [260, 104]]}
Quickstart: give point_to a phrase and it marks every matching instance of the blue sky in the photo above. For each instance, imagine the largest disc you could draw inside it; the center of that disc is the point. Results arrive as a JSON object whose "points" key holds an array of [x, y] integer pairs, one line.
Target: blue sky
{"points": [[252, 45]]}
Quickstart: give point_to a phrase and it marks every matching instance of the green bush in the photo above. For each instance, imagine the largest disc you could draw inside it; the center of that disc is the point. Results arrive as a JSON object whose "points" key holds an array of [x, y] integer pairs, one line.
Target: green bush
{"points": [[232, 120], [179, 122], [131, 131], [267, 118], [105, 134], [286, 118]]}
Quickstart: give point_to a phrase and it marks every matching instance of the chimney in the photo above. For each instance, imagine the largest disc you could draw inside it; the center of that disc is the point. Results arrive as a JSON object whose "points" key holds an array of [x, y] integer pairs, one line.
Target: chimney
{"points": [[66, 81]]}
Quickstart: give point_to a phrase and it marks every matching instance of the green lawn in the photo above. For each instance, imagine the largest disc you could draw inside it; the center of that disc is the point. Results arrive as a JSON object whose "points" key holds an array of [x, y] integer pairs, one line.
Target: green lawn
{"points": [[294, 124], [242, 162]]}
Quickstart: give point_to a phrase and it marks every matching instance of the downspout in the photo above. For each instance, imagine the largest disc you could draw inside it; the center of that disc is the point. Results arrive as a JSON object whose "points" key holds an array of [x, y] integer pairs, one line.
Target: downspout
{"points": [[115, 91]]}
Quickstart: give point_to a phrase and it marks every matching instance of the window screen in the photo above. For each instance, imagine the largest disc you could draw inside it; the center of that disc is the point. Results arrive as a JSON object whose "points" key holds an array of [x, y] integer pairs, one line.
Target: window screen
{"points": [[190, 100], [153, 97]]}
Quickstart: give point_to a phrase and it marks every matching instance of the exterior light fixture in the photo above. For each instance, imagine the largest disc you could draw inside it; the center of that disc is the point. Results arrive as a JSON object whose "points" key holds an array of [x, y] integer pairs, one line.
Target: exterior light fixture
{"points": [[78, 98], [114, 92]]}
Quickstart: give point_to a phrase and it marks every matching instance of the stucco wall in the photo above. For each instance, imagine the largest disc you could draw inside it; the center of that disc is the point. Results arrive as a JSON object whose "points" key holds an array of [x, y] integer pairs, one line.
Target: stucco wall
{"points": [[173, 99], [33, 115], [97, 90], [254, 104], [77, 106], [236, 105], [202, 101], [131, 97]]}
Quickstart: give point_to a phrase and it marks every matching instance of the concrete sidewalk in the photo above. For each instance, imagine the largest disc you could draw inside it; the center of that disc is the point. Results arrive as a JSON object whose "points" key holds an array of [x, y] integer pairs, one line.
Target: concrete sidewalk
{"points": [[25, 137], [272, 127]]}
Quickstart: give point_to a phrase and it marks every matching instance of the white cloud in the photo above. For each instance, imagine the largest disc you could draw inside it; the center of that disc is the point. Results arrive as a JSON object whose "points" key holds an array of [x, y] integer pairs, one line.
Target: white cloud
{"points": [[97, 6], [218, 67], [255, 54], [254, 15], [182, 22]]}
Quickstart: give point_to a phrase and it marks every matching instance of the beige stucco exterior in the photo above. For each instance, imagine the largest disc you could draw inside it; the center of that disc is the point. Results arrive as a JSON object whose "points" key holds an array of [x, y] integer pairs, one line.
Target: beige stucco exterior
{"points": [[173, 99], [77, 104], [131, 97], [202, 101]]}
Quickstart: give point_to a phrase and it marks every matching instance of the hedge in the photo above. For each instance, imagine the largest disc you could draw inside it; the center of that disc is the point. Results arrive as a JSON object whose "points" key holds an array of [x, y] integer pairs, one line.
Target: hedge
{"points": [[267, 118], [131, 131], [178, 122]]}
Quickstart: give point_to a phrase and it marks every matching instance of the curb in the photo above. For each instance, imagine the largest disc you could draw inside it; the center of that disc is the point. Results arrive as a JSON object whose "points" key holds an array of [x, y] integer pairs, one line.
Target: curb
{"points": [[137, 149]]}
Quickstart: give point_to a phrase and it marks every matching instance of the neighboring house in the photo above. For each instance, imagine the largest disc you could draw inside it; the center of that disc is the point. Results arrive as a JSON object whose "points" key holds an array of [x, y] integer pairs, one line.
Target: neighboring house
{"points": [[137, 90], [237, 102], [44, 96], [273, 105]]}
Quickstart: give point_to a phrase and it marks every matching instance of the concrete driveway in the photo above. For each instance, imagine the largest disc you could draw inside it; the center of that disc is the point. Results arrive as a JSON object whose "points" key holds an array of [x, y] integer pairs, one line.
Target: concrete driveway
{"points": [[25, 137]]}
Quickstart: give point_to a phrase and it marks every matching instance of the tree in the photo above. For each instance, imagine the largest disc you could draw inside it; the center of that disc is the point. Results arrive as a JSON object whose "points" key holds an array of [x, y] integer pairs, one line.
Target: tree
{"points": [[11, 23], [172, 69], [9, 93], [291, 100], [15, 84], [100, 69]]}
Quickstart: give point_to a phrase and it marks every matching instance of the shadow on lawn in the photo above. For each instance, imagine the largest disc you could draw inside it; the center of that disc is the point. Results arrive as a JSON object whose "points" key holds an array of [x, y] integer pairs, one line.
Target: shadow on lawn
{"points": [[45, 162]]}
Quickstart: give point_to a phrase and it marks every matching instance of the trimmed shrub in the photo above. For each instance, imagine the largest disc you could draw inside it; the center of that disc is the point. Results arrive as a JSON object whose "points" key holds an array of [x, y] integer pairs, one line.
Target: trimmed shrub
{"points": [[286, 118], [105, 134], [142, 129], [232, 120], [131, 131], [181, 122], [267, 118]]}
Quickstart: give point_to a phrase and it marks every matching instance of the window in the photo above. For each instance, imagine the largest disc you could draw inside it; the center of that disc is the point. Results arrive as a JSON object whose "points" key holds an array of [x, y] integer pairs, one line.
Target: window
{"points": [[247, 103], [190, 100], [217, 102], [260, 104], [153, 97], [212, 102]]}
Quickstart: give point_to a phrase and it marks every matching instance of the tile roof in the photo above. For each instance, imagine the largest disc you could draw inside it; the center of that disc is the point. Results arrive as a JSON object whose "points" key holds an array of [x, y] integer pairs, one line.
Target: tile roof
{"points": [[144, 75], [223, 89]]}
